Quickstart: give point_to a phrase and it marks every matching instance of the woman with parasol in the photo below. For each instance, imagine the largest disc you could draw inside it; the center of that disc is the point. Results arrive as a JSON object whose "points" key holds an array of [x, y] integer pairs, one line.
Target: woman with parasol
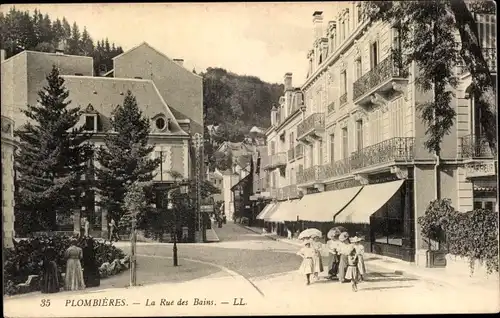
{"points": [[312, 236], [333, 248], [307, 266]]}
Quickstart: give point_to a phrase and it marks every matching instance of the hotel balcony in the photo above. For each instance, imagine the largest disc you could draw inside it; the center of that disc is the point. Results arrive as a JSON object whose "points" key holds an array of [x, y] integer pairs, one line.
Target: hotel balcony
{"points": [[299, 151], [475, 147], [337, 168], [394, 150], [383, 79], [490, 55], [311, 128], [276, 161], [291, 154], [311, 175], [289, 192]]}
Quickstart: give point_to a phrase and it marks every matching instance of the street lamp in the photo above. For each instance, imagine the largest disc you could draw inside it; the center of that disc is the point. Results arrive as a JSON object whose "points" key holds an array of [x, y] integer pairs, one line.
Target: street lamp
{"points": [[183, 189]]}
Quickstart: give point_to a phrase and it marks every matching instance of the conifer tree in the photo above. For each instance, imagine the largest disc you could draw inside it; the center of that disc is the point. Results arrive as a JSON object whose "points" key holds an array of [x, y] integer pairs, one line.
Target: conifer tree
{"points": [[125, 158], [52, 157]]}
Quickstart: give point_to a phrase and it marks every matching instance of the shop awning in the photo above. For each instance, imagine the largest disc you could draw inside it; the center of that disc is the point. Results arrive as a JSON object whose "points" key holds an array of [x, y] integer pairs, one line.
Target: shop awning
{"points": [[369, 200], [321, 207], [265, 211], [271, 211], [287, 211]]}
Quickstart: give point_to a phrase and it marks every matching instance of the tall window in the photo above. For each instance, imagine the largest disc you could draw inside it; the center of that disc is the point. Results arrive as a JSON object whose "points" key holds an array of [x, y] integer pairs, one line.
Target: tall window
{"points": [[360, 13], [292, 140], [396, 39], [320, 152], [343, 78], [359, 135], [273, 148], [358, 68], [374, 54], [343, 30], [332, 147], [292, 176], [397, 118], [345, 143], [274, 185], [311, 155], [376, 127], [90, 122]]}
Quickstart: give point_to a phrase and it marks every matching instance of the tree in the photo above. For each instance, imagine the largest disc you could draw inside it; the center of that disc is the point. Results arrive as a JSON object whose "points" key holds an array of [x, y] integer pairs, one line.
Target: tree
{"points": [[52, 157], [66, 29], [125, 157], [223, 160], [86, 44], [57, 30], [436, 57], [74, 42]]}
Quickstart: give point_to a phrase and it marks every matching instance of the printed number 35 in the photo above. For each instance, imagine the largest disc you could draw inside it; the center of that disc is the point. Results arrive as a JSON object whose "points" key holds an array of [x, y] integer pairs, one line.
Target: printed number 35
{"points": [[45, 303]]}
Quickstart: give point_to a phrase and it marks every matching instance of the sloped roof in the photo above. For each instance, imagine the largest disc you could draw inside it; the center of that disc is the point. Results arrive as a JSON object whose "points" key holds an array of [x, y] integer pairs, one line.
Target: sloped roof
{"points": [[106, 93], [158, 51]]}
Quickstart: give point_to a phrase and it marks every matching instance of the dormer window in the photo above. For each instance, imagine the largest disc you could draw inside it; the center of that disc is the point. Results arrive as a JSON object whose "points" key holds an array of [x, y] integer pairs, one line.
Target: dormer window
{"points": [[160, 123], [163, 123], [90, 119]]}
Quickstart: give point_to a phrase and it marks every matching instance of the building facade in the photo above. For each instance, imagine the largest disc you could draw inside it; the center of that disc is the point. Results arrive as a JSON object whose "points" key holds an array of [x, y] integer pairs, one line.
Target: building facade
{"points": [[8, 148], [24, 74], [364, 162]]}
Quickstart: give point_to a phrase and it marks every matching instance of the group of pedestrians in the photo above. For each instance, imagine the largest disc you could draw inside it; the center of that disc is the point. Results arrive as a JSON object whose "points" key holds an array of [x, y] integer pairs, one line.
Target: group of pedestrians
{"points": [[77, 277], [346, 262]]}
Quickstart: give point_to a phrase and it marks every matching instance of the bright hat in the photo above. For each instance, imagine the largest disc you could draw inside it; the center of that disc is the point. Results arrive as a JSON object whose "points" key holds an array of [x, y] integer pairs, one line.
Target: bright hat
{"points": [[355, 239], [343, 236]]}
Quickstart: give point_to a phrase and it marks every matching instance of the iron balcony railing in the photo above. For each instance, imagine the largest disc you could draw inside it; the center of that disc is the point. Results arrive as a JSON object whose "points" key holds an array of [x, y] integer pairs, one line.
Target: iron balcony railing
{"points": [[291, 154], [314, 122], [473, 146], [311, 174], [337, 168], [343, 99], [299, 151], [388, 68], [394, 149], [293, 191], [490, 56], [277, 160]]}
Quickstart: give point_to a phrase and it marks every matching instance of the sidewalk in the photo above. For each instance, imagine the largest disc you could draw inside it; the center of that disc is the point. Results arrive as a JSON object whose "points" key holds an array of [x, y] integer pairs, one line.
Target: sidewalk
{"points": [[400, 267]]}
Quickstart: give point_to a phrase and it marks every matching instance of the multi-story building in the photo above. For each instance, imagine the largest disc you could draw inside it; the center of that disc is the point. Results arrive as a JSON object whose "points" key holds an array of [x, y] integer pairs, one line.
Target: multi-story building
{"points": [[8, 147], [364, 164], [24, 75]]}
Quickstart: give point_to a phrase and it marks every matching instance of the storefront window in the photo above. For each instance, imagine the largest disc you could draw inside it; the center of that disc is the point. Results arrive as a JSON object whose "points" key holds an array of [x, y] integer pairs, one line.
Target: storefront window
{"points": [[387, 223]]}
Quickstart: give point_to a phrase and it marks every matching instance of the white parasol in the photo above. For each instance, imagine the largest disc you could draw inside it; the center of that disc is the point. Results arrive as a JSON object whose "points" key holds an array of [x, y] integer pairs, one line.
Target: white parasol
{"points": [[310, 233]]}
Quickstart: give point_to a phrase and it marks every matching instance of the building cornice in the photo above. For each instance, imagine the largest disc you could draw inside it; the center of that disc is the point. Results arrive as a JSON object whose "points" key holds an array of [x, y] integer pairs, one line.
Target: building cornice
{"points": [[335, 56]]}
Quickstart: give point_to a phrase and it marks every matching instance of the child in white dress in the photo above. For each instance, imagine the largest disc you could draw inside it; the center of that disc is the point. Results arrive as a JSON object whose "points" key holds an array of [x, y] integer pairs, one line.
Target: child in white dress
{"points": [[352, 269], [307, 266], [360, 252], [318, 259]]}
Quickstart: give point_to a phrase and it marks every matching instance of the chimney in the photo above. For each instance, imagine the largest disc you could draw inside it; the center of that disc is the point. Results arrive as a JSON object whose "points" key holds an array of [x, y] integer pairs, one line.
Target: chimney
{"points": [[318, 24], [2, 53], [288, 81], [179, 61]]}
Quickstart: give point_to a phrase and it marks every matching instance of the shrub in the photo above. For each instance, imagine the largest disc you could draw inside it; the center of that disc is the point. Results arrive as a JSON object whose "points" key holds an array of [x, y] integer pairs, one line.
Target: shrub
{"points": [[436, 217], [475, 235], [25, 258]]}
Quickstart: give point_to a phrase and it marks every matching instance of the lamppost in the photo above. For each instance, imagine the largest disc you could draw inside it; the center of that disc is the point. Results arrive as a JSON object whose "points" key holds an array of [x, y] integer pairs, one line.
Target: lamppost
{"points": [[198, 146], [183, 188]]}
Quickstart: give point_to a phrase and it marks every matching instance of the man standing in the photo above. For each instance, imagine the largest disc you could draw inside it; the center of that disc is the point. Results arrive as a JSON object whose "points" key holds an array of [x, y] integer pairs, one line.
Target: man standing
{"points": [[113, 231]]}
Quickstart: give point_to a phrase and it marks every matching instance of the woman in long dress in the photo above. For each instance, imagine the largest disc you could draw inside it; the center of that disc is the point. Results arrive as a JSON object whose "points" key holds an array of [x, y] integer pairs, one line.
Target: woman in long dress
{"points": [[74, 274], [91, 275], [50, 274], [307, 266], [344, 252], [317, 259], [333, 248]]}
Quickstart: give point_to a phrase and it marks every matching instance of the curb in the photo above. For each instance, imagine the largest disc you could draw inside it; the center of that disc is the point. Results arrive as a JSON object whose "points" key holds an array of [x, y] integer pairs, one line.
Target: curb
{"points": [[399, 267], [216, 236]]}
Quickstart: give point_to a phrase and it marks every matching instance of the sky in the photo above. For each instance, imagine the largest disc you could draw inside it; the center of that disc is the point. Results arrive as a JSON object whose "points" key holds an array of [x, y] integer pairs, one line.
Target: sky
{"points": [[260, 39]]}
